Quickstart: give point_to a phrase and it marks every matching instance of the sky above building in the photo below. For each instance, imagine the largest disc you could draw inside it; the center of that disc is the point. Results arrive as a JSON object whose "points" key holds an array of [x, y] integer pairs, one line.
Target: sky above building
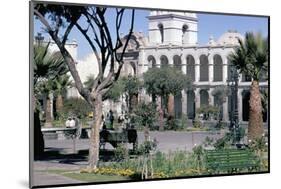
{"points": [[208, 25]]}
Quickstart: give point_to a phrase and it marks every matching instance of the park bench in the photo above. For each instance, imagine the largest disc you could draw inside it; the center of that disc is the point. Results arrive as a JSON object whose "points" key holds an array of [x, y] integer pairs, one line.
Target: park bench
{"points": [[231, 160], [115, 137]]}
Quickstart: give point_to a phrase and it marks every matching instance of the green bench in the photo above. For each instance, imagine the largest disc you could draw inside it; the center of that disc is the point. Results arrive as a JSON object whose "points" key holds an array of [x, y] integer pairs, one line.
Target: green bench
{"points": [[231, 160]]}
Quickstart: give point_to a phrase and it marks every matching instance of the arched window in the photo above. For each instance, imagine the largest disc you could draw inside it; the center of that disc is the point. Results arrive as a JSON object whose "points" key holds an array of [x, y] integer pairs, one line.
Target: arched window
{"points": [[161, 30], [151, 61], [164, 61], [184, 34], [217, 68], [190, 67], [190, 104], [177, 62], [245, 105], [204, 68], [204, 98], [178, 105]]}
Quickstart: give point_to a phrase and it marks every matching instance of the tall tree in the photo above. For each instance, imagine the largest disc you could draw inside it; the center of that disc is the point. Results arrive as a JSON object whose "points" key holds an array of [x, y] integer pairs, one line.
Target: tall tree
{"points": [[220, 93], [62, 83], [164, 82], [251, 58], [104, 41], [46, 66], [132, 86]]}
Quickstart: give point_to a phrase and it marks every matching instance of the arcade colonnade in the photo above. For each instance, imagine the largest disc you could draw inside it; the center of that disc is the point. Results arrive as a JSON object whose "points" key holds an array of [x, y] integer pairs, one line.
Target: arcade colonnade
{"points": [[207, 71]]}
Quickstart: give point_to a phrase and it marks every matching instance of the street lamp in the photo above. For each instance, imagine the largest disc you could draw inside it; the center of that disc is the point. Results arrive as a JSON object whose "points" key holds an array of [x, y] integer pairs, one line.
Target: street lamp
{"points": [[234, 118]]}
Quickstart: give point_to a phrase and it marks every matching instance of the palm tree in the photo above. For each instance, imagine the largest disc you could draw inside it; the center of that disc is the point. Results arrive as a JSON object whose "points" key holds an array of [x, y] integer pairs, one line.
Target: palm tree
{"points": [[47, 67], [46, 64], [251, 58], [61, 84]]}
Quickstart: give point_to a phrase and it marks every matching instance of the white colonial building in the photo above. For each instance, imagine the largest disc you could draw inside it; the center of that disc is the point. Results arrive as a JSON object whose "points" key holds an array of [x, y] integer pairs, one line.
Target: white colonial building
{"points": [[172, 40]]}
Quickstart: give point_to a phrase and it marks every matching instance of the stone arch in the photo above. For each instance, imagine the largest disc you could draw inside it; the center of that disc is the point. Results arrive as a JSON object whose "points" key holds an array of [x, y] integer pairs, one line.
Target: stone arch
{"points": [[177, 62], [190, 104], [204, 68], [190, 67], [218, 104], [151, 61], [161, 30], [178, 105], [218, 68], [129, 68], [204, 97], [164, 61]]}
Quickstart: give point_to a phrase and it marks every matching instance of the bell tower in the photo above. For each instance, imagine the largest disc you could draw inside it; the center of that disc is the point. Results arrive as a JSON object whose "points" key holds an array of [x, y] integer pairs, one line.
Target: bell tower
{"points": [[176, 28]]}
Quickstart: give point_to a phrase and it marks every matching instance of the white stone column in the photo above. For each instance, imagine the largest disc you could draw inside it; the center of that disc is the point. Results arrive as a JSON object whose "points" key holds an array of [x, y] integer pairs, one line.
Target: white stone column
{"points": [[171, 61], [197, 69], [225, 115], [158, 62], [184, 102], [240, 104], [211, 97], [140, 70], [183, 65], [197, 98], [240, 78], [224, 70], [211, 69]]}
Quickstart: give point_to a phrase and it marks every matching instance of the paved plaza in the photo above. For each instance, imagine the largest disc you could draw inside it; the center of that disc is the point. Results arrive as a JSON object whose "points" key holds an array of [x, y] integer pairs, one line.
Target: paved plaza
{"points": [[60, 153]]}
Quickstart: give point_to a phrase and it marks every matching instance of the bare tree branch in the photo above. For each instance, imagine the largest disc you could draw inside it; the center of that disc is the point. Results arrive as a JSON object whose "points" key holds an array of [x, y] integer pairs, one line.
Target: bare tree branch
{"points": [[128, 38], [67, 57]]}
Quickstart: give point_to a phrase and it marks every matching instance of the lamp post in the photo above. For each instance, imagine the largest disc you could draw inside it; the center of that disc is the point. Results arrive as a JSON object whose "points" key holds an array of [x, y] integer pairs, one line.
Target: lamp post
{"points": [[234, 118]]}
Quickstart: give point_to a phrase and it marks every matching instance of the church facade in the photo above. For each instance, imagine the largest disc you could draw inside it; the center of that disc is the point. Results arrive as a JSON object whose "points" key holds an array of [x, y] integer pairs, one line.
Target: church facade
{"points": [[172, 40]]}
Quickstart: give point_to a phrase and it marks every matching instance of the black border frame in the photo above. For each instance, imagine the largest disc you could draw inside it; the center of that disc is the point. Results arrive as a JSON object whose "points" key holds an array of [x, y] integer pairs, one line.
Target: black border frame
{"points": [[31, 120]]}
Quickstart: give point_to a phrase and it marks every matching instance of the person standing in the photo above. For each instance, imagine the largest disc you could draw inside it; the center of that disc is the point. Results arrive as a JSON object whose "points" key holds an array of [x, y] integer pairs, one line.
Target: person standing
{"points": [[111, 119]]}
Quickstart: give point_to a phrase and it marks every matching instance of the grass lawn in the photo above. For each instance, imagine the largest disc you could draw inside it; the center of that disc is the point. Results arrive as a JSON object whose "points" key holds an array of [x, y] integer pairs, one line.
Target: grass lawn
{"points": [[88, 177]]}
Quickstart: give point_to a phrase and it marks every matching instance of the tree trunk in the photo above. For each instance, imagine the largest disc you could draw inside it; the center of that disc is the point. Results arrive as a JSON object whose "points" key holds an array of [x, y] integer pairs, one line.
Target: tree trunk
{"points": [[48, 112], [59, 103], [133, 102], [171, 110], [95, 134], [38, 137], [161, 119], [146, 133], [255, 125]]}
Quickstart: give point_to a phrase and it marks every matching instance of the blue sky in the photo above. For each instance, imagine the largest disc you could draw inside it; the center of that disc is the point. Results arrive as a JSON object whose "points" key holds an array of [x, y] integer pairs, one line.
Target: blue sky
{"points": [[209, 24]]}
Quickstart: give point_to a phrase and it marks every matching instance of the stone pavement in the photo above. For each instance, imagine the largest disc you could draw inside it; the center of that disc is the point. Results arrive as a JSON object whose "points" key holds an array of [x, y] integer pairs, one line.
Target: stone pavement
{"points": [[44, 178], [61, 156]]}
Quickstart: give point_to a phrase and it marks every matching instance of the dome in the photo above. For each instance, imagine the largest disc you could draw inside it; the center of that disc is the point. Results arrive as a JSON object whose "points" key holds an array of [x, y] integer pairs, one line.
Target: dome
{"points": [[230, 38]]}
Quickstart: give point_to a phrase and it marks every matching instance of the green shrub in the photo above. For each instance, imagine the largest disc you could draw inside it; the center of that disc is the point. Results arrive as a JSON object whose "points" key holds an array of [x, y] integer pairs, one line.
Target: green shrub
{"points": [[196, 123], [121, 152], [75, 106], [145, 114], [208, 112]]}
